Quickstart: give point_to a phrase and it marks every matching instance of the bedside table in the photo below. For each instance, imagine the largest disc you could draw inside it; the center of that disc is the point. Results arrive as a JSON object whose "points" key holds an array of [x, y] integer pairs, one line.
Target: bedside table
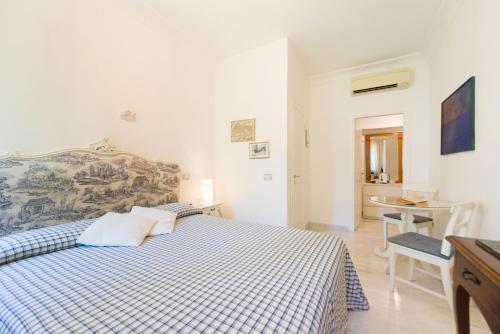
{"points": [[210, 209]]}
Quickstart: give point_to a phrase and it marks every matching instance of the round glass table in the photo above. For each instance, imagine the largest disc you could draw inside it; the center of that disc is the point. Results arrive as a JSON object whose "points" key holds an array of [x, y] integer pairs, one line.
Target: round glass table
{"points": [[407, 213]]}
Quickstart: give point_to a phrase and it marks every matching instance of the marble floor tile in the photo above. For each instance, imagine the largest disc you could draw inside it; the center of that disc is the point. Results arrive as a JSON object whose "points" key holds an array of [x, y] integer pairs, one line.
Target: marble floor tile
{"points": [[407, 310]]}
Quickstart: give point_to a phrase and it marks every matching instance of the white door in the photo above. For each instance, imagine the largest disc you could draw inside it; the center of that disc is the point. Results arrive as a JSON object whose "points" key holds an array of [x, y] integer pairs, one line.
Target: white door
{"points": [[297, 171], [359, 174]]}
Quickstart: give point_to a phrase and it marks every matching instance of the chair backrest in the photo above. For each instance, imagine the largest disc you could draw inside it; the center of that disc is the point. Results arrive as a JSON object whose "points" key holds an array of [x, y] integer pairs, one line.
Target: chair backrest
{"points": [[413, 190], [462, 216]]}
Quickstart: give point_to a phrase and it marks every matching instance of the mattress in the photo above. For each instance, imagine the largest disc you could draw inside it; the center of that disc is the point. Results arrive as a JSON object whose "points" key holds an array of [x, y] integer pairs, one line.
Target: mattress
{"points": [[211, 275]]}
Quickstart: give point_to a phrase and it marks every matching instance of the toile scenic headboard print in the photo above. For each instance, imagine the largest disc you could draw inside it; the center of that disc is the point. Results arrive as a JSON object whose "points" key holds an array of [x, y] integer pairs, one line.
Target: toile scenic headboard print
{"points": [[69, 185]]}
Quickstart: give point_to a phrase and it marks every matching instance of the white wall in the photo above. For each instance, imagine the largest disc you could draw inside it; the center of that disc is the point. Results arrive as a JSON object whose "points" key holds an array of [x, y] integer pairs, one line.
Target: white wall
{"points": [[69, 68], [332, 122], [298, 81], [470, 47], [253, 84]]}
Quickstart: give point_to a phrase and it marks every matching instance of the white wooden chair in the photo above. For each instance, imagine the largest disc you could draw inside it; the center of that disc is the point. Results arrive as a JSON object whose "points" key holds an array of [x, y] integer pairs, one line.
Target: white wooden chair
{"points": [[430, 250], [424, 223]]}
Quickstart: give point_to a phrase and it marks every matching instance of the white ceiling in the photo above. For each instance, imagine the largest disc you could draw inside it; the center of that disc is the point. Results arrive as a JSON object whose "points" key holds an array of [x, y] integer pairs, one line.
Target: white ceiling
{"points": [[328, 34]]}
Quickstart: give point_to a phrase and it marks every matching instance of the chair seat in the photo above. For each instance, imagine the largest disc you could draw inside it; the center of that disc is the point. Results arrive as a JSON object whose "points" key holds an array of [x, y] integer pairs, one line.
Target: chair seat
{"points": [[418, 219], [419, 242]]}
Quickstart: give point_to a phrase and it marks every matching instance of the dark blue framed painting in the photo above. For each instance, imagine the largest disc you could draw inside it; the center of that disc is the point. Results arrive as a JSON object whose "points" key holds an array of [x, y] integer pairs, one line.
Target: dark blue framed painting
{"points": [[457, 119]]}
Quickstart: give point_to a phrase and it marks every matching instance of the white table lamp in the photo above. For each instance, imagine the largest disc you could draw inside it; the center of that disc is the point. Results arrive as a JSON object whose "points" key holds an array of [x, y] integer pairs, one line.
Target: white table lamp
{"points": [[207, 191]]}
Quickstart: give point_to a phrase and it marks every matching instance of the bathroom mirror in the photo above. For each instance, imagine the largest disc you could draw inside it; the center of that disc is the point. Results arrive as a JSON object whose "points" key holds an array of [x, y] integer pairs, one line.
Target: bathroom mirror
{"points": [[384, 157]]}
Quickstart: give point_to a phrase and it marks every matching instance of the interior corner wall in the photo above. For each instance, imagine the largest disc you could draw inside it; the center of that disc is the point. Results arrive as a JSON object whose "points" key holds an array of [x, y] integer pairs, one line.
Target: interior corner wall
{"points": [[70, 68], [333, 111], [469, 47], [253, 84]]}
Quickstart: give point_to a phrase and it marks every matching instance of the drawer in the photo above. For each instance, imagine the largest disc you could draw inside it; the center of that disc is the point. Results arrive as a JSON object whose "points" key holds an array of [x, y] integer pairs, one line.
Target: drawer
{"points": [[376, 211], [382, 190], [366, 202], [482, 290], [211, 210]]}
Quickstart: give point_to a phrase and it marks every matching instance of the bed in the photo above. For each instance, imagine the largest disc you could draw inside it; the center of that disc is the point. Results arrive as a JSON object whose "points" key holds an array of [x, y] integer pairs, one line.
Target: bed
{"points": [[211, 275]]}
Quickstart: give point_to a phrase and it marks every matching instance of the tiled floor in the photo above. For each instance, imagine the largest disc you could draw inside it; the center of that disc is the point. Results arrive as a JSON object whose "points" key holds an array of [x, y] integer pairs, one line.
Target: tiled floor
{"points": [[407, 310]]}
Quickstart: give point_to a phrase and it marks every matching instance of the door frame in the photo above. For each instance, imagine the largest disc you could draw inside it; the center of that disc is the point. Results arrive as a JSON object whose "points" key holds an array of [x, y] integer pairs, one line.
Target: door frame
{"points": [[293, 107], [406, 153]]}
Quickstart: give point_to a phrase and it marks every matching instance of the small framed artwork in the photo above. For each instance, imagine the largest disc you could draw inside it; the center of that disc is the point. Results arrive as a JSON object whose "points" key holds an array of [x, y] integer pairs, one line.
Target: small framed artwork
{"points": [[259, 150], [243, 130], [457, 120]]}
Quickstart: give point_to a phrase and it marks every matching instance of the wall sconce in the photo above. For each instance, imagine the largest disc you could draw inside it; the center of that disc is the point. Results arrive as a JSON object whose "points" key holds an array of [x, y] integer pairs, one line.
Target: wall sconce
{"points": [[207, 191], [128, 116]]}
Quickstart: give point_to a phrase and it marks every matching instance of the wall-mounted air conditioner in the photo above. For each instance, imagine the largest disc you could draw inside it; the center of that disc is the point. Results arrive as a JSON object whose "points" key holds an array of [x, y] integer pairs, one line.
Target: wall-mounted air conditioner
{"points": [[400, 79]]}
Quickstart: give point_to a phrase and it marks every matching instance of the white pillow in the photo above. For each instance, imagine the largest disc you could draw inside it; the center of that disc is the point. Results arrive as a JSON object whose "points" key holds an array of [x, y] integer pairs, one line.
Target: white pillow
{"points": [[117, 229], [165, 219]]}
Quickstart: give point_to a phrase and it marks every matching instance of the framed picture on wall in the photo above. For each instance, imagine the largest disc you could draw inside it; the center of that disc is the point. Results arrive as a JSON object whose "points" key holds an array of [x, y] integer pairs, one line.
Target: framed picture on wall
{"points": [[457, 119], [259, 150], [243, 130]]}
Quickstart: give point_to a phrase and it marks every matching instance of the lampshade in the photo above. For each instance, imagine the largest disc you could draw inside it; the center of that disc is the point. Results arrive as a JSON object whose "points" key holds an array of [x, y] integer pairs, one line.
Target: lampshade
{"points": [[207, 191]]}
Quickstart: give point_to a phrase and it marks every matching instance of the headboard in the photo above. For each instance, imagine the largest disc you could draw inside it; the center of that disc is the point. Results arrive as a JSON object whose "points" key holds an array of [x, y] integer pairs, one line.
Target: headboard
{"points": [[69, 185]]}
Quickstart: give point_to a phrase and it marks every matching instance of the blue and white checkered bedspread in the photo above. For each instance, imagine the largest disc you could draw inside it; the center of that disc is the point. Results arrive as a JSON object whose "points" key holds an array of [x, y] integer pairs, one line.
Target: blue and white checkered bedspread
{"points": [[210, 276]]}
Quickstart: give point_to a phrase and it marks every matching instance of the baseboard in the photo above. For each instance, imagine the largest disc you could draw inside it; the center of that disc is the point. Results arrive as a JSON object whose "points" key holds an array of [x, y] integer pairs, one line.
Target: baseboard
{"points": [[327, 227]]}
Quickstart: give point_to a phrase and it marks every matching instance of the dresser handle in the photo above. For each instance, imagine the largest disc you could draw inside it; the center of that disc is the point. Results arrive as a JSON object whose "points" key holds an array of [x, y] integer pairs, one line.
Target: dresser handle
{"points": [[467, 275]]}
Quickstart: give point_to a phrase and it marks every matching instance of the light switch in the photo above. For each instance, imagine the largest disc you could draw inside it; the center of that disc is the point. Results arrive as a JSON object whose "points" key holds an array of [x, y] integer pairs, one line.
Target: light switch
{"points": [[268, 177]]}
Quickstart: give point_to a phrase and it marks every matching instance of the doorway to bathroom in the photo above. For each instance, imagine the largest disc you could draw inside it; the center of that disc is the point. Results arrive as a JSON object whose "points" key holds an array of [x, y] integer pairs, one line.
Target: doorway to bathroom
{"points": [[379, 142]]}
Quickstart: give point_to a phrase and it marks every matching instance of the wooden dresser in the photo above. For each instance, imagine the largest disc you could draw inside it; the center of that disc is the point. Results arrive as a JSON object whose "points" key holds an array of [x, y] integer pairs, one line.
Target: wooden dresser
{"points": [[476, 275], [373, 211]]}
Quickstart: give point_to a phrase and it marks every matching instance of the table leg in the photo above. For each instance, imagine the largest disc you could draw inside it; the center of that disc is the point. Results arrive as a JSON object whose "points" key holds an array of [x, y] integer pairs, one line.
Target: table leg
{"points": [[407, 219], [461, 310]]}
